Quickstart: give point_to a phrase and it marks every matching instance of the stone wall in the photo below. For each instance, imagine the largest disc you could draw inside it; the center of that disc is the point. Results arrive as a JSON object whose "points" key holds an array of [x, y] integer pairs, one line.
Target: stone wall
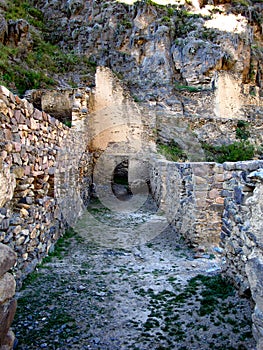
{"points": [[242, 234], [42, 170], [188, 132], [219, 204], [7, 301], [190, 195]]}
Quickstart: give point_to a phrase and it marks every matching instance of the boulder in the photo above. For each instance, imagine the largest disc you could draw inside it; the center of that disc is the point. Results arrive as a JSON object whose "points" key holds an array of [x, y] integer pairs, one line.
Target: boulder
{"points": [[7, 258]]}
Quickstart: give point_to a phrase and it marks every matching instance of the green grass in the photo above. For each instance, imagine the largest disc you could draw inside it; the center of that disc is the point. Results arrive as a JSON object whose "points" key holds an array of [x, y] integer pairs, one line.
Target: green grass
{"points": [[216, 288], [17, 9], [61, 246]]}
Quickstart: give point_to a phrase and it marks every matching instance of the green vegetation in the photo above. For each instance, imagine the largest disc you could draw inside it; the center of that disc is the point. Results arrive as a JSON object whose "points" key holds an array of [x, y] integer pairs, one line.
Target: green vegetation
{"points": [[17, 9], [241, 2], [165, 322], [60, 321], [61, 246], [60, 250], [126, 23], [171, 151], [216, 288], [187, 88], [242, 131], [33, 67], [237, 151]]}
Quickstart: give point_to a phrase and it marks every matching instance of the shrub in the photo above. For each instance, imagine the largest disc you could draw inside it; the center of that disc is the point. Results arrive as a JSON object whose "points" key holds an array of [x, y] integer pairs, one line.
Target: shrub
{"points": [[237, 151], [23, 69], [242, 132], [187, 88], [171, 151]]}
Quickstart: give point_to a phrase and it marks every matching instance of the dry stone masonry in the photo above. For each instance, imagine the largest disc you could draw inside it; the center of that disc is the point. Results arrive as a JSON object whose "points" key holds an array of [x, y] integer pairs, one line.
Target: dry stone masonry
{"points": [[197, 82], [38, 179], [191, 195], [219, 204], [242, 234]]}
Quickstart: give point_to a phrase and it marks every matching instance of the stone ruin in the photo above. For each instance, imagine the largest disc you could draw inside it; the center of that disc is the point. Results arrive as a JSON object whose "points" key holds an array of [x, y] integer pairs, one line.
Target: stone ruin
{"points": [[47, 171]]}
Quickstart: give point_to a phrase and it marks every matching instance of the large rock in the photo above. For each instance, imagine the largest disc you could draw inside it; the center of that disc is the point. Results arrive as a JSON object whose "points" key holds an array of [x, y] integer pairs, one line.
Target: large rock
{"points": [[7, 258], [254, 270], [196, 60], [18, 33], [7, 287], [8, 184], [74, 7], [7, 313]]}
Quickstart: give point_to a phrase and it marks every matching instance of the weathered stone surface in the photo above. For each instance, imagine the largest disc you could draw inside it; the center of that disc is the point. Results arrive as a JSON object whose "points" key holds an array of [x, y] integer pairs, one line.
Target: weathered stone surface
{"points": [[54, 165], [18, 33], [34, 167], [3, 29], [254, 270], [7, 287], [7, 181], [7, 313], [9, 340], [7, 258]]}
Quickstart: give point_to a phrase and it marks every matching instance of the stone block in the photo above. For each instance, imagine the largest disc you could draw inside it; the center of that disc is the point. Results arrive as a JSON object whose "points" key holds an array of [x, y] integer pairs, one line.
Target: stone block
{"points": [[7, 313], [9, 340], [4, 91], [226, 193], [7, 287], [229, 166], [38, 114], [254, 271], [7, 258], [220, 200], [200, 169], [214, 193], [18, 172], [219, 177]]}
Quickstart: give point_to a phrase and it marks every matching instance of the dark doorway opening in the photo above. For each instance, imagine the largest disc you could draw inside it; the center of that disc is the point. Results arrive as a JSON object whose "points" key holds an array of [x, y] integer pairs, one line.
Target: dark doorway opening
{"points": [[120, 182]]}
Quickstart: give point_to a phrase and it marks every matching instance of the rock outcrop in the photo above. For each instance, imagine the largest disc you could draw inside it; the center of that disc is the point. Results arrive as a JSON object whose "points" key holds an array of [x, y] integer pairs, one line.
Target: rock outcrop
{"points": [[7, 301], [196, 64]]}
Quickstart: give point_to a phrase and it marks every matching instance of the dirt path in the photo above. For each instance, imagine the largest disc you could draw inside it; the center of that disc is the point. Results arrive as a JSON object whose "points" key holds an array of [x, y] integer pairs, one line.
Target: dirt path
{"points": [[155, 295]]}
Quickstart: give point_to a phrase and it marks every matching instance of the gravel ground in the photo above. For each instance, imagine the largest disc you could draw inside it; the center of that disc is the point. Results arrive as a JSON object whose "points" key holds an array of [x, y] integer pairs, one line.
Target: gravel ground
{"points": [[152, 295]]}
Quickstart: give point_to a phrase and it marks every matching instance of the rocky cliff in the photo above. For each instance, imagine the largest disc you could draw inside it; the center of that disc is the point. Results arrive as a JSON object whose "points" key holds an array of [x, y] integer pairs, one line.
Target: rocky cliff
{"points": [[157, 49], [196, 66]]}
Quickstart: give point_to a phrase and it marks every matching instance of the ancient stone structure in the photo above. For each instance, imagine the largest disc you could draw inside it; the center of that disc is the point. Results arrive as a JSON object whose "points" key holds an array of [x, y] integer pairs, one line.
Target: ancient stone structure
{"points": [[38, 179], [193, 74], [195, 82], [191, 195], [242, 237], [221, 204], [47, 169]]}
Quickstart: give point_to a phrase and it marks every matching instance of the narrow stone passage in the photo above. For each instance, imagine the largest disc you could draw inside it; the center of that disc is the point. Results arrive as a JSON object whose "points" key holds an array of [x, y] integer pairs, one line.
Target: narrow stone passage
{"points": [[155, 295]]}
